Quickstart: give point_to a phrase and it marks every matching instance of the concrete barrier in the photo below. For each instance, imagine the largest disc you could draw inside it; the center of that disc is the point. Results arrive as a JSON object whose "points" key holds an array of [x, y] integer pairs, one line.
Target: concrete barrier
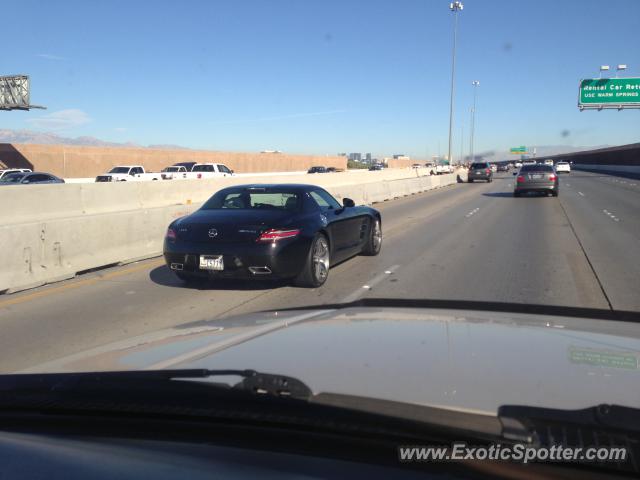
{"points": [[53, 232]]}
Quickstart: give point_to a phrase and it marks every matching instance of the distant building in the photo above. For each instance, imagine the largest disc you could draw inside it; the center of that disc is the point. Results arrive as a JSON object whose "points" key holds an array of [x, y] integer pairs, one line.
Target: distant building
{"points": [[342, 154], [401, 156], [367, 158], [355, 156]]}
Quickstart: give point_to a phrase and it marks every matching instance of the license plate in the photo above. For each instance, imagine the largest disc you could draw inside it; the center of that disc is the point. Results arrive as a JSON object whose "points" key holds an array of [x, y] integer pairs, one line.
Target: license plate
{"points": [[211, 262], [537, 177]]}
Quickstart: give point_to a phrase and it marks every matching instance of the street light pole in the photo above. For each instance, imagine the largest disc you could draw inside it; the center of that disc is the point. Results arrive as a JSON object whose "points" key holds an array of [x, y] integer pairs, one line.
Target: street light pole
{"points": [[455, 7], [475, 84]]}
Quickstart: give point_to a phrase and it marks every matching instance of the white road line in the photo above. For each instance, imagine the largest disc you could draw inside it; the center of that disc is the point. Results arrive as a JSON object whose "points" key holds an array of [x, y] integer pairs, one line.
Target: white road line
{"points": [[472, 212], [611, 215], [581, 194], [355, 295]]}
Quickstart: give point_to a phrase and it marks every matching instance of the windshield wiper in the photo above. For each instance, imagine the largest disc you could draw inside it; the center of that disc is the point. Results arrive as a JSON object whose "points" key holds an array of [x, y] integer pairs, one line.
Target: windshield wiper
{"points": [[525, 423], [254, 382]]}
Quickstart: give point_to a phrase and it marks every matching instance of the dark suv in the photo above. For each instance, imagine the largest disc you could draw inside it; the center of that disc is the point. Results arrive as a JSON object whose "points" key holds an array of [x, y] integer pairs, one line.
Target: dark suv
{"points": [[480, 171]]}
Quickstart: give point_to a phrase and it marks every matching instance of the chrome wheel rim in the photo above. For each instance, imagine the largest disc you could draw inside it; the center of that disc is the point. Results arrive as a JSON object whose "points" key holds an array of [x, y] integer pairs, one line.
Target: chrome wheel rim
{"points": [[321, 259], [377, 236]]}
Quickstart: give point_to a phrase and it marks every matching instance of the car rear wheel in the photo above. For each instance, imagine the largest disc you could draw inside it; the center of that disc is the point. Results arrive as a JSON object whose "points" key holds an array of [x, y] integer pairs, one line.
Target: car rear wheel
{"points": [[374, 242], [316, 268], [516, 194], [554, 193], [471, 180]]}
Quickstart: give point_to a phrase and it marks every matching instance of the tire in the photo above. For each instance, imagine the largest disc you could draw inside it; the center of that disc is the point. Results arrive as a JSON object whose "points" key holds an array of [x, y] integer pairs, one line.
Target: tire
{"points": [[316, 267], [516, 194], [470, 180], [555, 193], [374, 241], [489, 180]]}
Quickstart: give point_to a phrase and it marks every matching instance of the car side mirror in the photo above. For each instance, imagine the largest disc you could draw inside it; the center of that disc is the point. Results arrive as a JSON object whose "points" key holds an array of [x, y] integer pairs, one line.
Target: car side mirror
{"points": [[347, 203]]}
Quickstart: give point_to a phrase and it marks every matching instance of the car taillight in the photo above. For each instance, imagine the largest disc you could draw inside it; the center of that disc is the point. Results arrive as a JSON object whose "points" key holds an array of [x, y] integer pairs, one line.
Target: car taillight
{"points": [[488, 170], [552, 177], [171, 234], [520, 179], [199, 175], [273, 235]]}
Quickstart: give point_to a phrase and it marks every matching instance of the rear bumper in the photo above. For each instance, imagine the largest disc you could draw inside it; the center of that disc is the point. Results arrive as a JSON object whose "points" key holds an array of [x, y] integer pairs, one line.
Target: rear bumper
{"points": [[271, 260], [536, 188]]}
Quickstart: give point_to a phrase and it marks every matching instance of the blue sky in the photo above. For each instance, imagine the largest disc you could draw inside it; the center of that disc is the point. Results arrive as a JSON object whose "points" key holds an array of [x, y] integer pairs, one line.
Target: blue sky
{"points": [[321, 76]]}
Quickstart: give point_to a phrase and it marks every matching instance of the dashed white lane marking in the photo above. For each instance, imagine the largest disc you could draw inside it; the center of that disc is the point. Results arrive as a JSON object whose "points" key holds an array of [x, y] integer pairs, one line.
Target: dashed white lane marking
{"points": [[472, 212], [567, 184], [355, 295], [611, 215], [581, 194]]}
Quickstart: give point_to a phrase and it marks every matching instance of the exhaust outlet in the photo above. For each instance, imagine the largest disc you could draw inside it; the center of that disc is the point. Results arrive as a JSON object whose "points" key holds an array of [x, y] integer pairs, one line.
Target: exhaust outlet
{"points": [[260, 270]]}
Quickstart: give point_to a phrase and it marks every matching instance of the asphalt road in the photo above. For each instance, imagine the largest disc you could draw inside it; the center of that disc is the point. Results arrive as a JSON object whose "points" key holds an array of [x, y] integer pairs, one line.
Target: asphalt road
{"points": [[467, 241]]}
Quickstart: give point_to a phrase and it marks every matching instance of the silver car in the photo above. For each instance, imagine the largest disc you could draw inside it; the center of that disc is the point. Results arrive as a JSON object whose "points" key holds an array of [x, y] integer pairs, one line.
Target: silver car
{"points": [[536, 178]]}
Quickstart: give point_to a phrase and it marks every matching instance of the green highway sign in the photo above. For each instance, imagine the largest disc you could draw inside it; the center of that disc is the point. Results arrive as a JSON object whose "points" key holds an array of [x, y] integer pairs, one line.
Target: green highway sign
{"points": [[519, 150], [609, 93]]}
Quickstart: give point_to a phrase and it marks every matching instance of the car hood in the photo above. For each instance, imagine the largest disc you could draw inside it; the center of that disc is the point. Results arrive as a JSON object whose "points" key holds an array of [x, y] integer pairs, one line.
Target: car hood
{"points": [[457, 359]]}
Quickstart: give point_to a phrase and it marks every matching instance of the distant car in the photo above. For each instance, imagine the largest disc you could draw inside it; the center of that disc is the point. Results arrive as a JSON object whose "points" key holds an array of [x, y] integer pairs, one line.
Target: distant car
{"points": [[209, 170], [317, 169], [285, 231], [29, 178], [517, 164], [128, 173], [529, 162], [174, 172], [13, 170], [416, 165], [536, 178], [480, 171], [563, 167], [549, 162], [503, 168], [494, 167], [375, 167]]}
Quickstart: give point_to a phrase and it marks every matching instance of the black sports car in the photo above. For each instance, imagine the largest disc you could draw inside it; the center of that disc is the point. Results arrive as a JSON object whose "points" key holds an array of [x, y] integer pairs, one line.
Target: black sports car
{"points": [[282, 231]]}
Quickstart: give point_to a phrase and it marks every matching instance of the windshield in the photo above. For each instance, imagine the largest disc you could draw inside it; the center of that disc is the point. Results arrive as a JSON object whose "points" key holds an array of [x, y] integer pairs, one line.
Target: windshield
{"points": [[248, 199], [203, 168], [119, 170], [523, 118], [12, 177], [536, 168]]}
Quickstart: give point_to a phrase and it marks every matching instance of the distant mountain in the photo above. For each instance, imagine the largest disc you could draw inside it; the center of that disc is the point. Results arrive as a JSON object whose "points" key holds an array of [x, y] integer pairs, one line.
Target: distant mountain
{"points": [[45, 138]]}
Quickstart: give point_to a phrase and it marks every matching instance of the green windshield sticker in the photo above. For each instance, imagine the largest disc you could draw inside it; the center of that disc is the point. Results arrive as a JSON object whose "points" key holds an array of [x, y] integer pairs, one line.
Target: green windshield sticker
{"points": [[603, 358]]}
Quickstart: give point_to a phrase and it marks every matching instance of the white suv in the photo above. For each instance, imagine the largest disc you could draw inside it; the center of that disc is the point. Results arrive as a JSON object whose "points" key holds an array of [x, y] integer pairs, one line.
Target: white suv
{"points": [[563, 167]]}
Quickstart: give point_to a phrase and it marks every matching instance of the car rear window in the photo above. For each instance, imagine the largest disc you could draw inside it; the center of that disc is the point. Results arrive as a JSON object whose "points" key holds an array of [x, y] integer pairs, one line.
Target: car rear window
{"points": [[249, 199], [536, 168], [479, 166]]}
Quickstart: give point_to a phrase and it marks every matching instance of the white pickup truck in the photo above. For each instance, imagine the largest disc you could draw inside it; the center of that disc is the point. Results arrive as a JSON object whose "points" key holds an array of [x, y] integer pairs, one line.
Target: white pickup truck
{"points": [[128, 173], [209, 170], [174, 172], [443, 167]]}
